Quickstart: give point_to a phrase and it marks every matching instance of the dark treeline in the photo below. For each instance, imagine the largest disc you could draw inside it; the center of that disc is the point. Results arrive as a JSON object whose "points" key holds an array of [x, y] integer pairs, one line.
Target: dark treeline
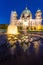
{"points": [[3, 26]]}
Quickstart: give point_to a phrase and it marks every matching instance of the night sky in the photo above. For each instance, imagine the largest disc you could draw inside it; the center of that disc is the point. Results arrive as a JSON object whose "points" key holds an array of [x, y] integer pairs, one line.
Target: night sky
{"points": [[6, 6]]}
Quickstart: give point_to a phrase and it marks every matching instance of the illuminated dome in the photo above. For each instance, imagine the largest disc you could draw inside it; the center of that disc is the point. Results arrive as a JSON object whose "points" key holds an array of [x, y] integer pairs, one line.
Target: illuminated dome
{"points": [[26, 11]]}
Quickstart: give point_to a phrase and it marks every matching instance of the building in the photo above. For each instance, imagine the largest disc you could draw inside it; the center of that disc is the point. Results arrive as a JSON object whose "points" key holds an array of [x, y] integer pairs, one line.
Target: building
{"points": [[13, 19], [26, 20]]}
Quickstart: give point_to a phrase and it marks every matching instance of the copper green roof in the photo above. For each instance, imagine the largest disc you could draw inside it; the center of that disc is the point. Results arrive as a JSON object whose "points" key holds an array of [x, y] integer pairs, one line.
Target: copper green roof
{"points": [[38, 10], [26, 11]]}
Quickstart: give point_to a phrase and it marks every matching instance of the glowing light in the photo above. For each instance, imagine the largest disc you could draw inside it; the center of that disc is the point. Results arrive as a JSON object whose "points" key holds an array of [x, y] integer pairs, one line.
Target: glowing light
{"points": [[25, 23], [12, 29], [39, 27]]}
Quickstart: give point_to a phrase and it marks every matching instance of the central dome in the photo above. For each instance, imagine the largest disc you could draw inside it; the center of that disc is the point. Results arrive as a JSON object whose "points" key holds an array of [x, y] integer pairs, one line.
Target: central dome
{"points": [[26, 11]]}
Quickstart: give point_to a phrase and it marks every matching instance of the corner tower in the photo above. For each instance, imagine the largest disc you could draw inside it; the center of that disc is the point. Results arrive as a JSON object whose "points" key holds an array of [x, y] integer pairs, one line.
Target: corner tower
{"points": [[38, 17]]}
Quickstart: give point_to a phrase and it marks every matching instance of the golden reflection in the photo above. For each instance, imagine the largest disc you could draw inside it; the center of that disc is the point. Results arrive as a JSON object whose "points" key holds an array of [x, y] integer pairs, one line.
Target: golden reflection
{"points": [[12, 39]]}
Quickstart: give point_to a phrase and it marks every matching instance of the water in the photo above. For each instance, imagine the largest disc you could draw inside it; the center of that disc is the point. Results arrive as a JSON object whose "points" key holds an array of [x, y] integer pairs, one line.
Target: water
{"points": [[21, 50], [2, 30]]}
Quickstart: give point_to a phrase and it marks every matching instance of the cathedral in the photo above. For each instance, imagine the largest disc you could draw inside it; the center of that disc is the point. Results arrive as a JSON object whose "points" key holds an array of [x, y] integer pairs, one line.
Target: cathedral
{"points": [[26, 20]]}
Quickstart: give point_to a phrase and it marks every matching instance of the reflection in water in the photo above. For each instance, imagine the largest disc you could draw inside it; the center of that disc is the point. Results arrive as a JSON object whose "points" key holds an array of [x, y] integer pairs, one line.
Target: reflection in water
{"points": [[25, 46], [12, 39], [22, 49], [23, 41], [36, 46], [12, 50]]}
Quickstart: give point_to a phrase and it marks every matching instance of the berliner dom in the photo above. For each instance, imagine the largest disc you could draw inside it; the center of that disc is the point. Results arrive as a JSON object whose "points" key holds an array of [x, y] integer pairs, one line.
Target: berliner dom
{"points": [[25, 21]]}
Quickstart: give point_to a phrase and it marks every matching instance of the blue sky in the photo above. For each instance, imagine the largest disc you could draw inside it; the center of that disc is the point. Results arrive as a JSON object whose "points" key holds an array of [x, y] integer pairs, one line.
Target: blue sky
{"points": [[6, 6]]}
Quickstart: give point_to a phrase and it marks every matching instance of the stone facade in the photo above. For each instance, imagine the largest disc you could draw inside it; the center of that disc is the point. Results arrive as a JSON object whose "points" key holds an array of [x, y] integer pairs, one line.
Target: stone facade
{"points": [[26, 19]]}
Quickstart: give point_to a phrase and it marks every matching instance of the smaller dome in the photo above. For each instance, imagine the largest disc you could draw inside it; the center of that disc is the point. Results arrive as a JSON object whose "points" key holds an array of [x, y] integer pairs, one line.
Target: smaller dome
{"points": [[38, 10]]}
